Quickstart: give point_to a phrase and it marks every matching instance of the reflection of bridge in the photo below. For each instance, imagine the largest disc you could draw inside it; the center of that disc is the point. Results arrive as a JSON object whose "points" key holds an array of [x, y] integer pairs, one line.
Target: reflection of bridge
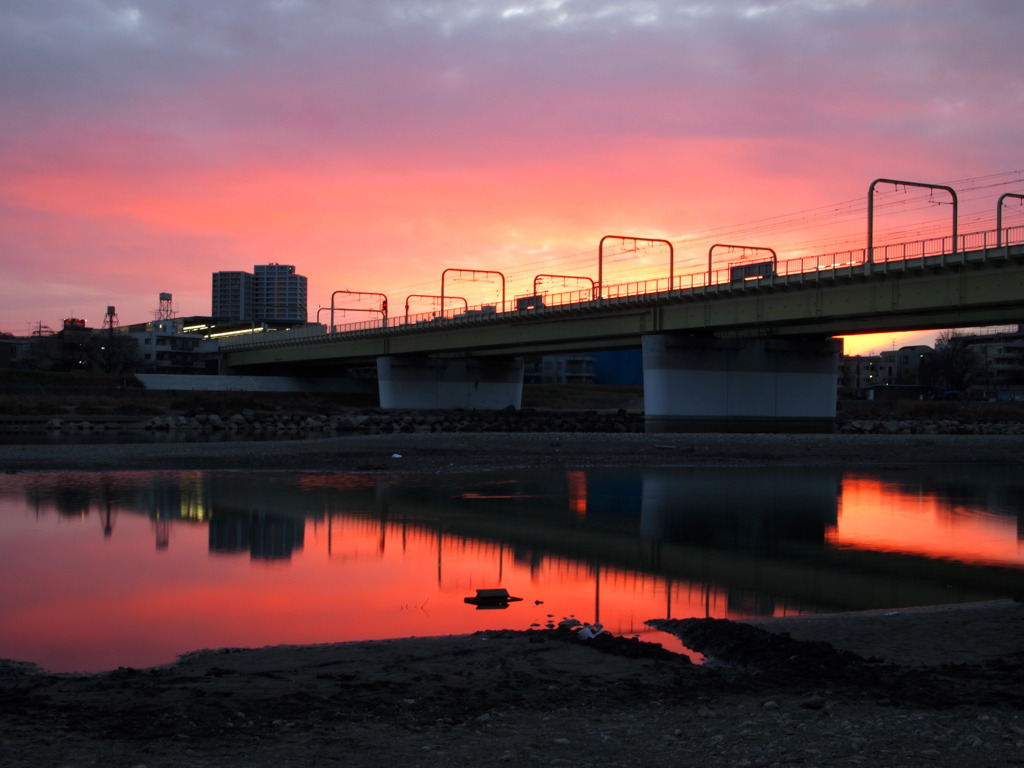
{"points": [[765, 535], [767, 538], [745, 347]]}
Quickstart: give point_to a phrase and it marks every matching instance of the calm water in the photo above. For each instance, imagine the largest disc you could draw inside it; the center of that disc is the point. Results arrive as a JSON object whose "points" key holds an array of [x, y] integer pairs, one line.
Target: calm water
{"points": [[101, 570]]}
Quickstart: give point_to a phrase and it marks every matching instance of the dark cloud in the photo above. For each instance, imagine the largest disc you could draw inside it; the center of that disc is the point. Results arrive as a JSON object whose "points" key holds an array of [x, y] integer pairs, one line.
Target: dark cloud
{"points": [[372, 73]]}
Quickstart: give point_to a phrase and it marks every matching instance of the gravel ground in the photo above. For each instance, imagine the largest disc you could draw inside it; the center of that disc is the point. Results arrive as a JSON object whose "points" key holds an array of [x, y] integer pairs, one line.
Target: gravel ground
{"points": [[469, 452], [528, 698]]}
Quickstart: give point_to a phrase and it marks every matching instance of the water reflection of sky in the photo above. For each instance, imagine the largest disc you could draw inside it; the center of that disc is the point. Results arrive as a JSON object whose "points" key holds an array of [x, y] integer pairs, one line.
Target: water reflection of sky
{"points": [[132, 569]]}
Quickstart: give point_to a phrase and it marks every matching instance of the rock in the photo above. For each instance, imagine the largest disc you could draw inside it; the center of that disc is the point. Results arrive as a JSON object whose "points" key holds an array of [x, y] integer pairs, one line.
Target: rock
{"points": [[813, 702]]}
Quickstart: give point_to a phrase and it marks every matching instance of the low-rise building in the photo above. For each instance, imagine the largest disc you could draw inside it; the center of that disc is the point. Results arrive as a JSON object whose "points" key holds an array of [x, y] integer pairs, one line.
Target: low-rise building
{"points": [[560, 369], [861, 373], [163, 346]]}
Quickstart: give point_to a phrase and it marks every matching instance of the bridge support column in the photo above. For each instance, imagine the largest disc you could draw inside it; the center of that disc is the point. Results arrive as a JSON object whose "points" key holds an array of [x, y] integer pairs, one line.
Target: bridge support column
{"points": [[458, 382], [710, 384]]}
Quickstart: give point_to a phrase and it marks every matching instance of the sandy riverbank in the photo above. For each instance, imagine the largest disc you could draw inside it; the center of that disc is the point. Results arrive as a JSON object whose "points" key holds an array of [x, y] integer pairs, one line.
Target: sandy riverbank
{"points": [[930, 686]]}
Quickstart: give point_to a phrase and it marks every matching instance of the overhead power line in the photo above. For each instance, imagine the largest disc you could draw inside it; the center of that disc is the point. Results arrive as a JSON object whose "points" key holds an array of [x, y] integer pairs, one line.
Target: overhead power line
{"points": [[903, 213]]}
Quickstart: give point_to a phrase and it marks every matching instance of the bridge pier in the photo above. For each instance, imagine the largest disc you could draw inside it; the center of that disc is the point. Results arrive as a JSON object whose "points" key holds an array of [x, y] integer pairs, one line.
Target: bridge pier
{"points": [[483, 383], [768, 384]]}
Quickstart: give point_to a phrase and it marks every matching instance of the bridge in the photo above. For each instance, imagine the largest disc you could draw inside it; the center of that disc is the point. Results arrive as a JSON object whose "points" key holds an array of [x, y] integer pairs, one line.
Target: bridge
{"points": [[749, 346]]}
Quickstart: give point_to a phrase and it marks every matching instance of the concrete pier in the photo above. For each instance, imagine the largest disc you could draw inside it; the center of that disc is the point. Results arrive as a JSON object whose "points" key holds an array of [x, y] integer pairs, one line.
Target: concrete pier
{"points": [[702, 383]]}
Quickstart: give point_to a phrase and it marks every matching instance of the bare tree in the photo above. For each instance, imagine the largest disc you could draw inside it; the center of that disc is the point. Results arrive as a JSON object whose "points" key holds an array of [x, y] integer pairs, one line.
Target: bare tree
{"points": [[111, 352], [957, 363]]}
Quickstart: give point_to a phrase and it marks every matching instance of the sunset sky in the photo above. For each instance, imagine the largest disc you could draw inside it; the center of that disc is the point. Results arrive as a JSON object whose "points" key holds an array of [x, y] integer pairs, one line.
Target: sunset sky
{"points": [[145, 145]]}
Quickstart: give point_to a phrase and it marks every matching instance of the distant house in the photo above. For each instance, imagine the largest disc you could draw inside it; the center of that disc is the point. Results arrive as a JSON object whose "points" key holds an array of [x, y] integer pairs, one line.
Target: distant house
{"points": [[860, 373], [164, 346], [560, 369]]}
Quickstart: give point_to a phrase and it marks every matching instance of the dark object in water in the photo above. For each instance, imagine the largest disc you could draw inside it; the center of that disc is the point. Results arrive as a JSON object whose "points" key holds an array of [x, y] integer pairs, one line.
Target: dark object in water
{"points": [[492, 598]]}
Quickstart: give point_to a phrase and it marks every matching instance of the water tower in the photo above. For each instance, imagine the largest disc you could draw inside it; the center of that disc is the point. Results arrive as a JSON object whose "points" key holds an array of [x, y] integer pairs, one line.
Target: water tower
{"points": [[165, 312], [110, 319]]}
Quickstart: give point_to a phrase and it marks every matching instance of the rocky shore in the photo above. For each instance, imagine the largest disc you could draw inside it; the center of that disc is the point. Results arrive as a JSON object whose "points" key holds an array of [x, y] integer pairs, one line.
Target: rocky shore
{"points": [[929, 427], [270, 423], [249, 422]]}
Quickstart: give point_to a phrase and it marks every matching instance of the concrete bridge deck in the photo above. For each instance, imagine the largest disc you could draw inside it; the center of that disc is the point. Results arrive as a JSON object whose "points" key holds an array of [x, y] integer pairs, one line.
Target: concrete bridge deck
{"points": [[984, 286]]}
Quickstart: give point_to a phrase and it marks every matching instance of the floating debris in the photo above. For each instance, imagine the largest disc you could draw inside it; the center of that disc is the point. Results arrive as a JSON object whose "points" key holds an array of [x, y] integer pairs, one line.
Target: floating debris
{"points": [[492, 598]]}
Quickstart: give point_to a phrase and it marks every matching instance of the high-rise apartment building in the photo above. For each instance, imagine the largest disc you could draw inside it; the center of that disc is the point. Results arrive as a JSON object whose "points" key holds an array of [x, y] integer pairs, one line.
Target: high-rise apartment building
{"points": [[232, 296], [279, 293], [273, 293]]}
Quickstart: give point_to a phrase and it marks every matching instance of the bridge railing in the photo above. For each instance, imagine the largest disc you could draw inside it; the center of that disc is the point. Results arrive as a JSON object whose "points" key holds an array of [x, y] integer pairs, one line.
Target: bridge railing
{"points": [[904, 251], [690, 281], [636, 288], [814, 265], [565, 299]]}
